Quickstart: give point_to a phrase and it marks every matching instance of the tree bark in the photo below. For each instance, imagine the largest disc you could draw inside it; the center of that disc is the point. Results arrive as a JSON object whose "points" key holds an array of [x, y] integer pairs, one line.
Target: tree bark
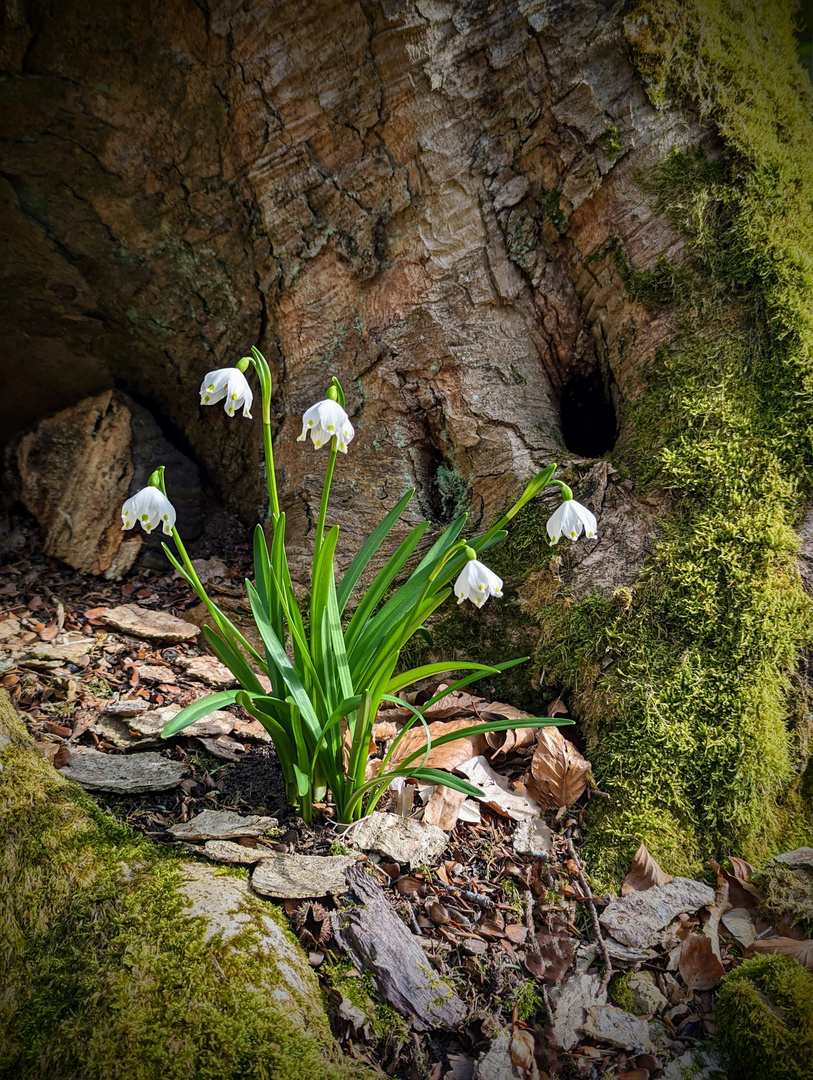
{"points": [[419, 197]]}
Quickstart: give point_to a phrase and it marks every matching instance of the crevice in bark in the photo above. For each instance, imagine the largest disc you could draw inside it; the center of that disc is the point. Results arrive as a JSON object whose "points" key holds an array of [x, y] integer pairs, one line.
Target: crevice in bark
{"points": [[589, 422]]}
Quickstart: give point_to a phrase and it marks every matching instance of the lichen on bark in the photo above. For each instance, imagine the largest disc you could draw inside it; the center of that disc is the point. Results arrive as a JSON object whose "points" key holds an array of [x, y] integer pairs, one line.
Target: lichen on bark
{"points": [[102, 966]]}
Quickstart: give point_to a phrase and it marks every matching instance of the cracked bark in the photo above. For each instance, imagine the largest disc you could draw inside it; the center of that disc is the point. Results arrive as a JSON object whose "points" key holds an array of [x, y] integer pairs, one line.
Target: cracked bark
{"points": [[413, 195]]}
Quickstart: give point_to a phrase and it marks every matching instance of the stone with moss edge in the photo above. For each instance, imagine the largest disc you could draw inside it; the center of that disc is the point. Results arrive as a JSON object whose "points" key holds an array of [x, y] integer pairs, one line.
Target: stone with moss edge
{"points": [[190, 998]]}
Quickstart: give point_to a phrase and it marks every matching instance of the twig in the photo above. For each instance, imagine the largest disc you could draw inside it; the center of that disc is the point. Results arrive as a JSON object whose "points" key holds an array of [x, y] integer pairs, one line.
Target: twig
{"points": [[548, 1008], [602, 944], [529, 912]]}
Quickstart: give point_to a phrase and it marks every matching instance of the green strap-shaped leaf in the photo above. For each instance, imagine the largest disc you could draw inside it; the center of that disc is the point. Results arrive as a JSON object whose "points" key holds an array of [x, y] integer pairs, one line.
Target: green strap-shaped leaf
{"points": [[368, 550], [202, 707], [227, 654]]}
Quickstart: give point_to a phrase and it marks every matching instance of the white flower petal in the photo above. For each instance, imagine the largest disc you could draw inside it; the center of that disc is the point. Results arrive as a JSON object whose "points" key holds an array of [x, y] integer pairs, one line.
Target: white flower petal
{"points": [[570, 519], [149, 507], [327, 420], [477, 583], [229, 385]]}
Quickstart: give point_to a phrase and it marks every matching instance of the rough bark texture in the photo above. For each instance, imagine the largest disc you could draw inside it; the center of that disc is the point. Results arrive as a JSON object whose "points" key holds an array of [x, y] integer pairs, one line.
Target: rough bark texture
{"points": [[417, 196], [109, 953]]}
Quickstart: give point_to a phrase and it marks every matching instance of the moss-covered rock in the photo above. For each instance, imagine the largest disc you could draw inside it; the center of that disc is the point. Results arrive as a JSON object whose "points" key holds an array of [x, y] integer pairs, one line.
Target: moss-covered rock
{"points": [[105, 969], [764, 1014]]}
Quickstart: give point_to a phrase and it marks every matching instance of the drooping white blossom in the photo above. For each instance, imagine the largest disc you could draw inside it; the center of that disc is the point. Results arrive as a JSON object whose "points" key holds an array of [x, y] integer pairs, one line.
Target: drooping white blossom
{"points": [[229, 385], [326, 420], [569, 520], [476, 583], [149, 507]]}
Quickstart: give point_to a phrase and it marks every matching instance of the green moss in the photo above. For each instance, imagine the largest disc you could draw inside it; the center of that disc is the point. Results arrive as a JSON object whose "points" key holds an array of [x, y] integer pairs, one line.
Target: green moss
{"points": [[529, 1001], [787, 894], [386, 1025], [610, 142], [554, 211], [101, 968], [620, 994], [684, 682], [764, 1013]]}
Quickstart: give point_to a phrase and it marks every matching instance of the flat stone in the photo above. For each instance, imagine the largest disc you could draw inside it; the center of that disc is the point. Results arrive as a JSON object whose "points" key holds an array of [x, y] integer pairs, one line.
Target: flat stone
{"points": [[226, 851], [579, 993], [128, 707], [801, 858], [532, 838], [9, 628], [648, 999], [698, 1064], [151, 724], [496, 1064], [208, 670], [609, 1024], [223, 747], [293, 877], [222, 825], [155, 673], [404, 840], [638, 920], [740, 925], [152, 625], [68, 649], [124, 774]]}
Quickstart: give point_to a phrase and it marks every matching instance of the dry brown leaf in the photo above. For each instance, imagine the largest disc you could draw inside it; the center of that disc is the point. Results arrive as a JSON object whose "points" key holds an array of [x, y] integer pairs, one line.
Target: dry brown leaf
{"points": [[785, 946], [503, 742], [559, 774], [741, 892], [450, 755], [443, 807], [522, 1054], [497, 792], [455, 704], [644, 873], [556, 708], [741, 869], [699, 968]]}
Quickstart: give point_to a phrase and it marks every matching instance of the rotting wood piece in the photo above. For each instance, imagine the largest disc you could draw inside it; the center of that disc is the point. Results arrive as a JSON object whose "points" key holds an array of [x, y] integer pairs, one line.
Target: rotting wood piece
{"points": [[378, 941]]}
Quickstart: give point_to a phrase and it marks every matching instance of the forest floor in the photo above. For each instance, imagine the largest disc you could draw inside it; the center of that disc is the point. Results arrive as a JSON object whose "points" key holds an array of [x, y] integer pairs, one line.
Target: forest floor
{"points": [[554, 981]]}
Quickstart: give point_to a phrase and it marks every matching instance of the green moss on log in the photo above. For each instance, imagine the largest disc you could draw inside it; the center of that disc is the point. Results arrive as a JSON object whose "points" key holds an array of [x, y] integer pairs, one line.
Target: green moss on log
{"points": [[764, 1013], [101, 968]]}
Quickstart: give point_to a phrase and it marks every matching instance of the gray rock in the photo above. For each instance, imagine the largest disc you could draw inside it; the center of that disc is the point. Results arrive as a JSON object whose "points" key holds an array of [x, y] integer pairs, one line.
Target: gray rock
{"points": [[609, 1024], [638, 920], [222, 825], [580, 993], [151, 724], [208, 670], [697, 1064], [127, 707], [124, 774], [801, 858], [649, 1001], [226, 851], [402, 839], [740, 925], [532, 838], [151, 625], [292, 877], [495, 1063]]}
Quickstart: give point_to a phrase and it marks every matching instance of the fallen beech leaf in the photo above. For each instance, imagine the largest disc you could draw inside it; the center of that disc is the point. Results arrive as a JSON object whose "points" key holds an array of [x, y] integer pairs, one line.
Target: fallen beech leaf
{"points": [[496, 791], [556, 950], [534, 965], [450, 755], [741, 892], [522, 1054], [457, 703], [503, 742], [407, 885], [741, 870], [699, 968], [516, 933], [644, 873], [559, 774], [785, 946]]}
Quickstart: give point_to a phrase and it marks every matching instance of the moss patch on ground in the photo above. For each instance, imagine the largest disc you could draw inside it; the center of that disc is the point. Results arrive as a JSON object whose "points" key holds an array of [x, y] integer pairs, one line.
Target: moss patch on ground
{"points": [[102, 970], [691, 727], [764, 1013]]}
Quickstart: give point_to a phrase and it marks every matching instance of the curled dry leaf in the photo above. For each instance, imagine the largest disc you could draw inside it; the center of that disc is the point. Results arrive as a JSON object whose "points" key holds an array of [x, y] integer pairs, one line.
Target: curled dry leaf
{"points": [[496, 791], [699, 967], [450, 755], [644, 873], [785, 946], [559, 774], [522, 1054], [503, 742], [450, 705], [443, 808], [741, 892]]}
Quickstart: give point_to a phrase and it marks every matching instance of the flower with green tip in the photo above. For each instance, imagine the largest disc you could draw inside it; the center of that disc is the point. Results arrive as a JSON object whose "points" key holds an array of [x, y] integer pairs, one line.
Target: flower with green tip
{"points": [[569, 520], [230, 386], [476, 583], [149, 507], [327, 420]]}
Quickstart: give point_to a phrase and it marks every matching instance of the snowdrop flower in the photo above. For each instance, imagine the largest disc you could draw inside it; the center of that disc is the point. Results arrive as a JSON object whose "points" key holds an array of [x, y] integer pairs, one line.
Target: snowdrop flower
{"points": [[148, 507], [229, 383], [476, 583], [324, 420], [569, 520]]}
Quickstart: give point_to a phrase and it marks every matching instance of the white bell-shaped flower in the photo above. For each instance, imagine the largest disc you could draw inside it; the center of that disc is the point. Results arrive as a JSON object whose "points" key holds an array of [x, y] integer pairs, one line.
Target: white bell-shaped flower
{"points": [[326, 420], [229, 385], [476, 583], [569, 520], [149, 507]]}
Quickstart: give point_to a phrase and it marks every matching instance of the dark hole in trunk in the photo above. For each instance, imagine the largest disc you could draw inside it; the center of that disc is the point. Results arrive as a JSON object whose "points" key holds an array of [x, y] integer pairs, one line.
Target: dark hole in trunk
{"points": [[588, 415]]}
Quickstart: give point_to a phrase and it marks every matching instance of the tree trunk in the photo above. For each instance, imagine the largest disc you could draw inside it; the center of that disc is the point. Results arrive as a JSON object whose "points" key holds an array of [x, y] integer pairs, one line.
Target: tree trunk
{"points": [[517, 232], [110, 953]]}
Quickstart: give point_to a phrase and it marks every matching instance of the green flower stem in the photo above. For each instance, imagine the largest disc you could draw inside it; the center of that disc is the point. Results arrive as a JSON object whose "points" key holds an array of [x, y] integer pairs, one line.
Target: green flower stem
{"points": [[320, 527], [266, 390]]}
